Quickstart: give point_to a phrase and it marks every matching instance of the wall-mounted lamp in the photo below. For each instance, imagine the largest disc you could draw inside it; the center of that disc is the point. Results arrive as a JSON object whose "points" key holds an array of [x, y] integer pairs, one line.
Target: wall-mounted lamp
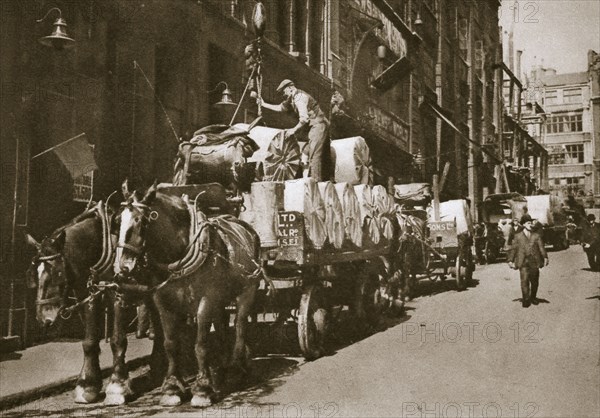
{"points": [[226, 100], [381, 52], [59, 39], [418, 20]]}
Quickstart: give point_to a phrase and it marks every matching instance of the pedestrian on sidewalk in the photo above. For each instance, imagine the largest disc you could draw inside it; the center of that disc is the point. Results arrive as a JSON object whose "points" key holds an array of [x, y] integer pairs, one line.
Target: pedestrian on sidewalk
{"points": [[528, 256]]}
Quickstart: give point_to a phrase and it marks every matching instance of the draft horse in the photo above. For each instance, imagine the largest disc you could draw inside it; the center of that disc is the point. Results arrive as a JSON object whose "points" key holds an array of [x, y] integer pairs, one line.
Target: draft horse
{"points": [[77, 259], [208, 264]]}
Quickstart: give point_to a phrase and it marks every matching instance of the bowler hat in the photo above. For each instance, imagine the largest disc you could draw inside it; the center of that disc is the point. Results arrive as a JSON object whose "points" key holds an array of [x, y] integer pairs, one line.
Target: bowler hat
{"points": [[526, 218], [591, 217], [285, 83]]}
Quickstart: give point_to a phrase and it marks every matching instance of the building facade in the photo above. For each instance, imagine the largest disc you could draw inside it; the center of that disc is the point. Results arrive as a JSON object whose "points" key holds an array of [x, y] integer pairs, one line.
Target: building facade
{"points": [[419, 80], [570, 133]]}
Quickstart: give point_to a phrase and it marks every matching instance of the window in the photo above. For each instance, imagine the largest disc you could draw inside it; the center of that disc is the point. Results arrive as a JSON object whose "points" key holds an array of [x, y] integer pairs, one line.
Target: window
{"points": [[574, 154], [551, 97], [479, 58], [564, 124], [556, 157], [572, 96], [463, 37]]}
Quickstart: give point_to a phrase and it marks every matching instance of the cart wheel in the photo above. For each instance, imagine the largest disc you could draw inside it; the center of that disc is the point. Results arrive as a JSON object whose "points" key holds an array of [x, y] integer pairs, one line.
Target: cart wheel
{"points": [[368, 303], [460, 273], [312, 322]]}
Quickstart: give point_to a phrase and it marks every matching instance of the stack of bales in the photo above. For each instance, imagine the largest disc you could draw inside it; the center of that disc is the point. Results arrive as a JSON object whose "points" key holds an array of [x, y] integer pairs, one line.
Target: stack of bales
{"points": [[346, 213]]}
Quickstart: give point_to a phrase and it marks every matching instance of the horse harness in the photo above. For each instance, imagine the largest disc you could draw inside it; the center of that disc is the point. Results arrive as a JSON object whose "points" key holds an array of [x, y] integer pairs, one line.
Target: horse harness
{"points": [[102, 266], [196, 252]]}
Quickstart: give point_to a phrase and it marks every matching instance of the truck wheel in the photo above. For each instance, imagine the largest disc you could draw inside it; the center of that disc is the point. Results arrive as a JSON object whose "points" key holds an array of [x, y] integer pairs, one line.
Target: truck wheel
{"points": [[312, 322]]}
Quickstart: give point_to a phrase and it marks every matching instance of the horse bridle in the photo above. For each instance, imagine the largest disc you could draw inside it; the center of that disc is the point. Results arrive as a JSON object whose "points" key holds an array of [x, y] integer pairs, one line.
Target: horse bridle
{"points": [[61, 272], [147, 215]]}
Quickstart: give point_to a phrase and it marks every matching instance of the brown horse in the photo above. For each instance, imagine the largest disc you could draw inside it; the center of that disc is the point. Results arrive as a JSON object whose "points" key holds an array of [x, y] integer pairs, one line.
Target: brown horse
{"points": [[63, 266], [208, 269]]}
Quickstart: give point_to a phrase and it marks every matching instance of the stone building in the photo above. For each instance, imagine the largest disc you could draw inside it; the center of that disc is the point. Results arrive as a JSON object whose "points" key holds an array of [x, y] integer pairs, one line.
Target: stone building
{"points": [[571, 131], [418, 78]]}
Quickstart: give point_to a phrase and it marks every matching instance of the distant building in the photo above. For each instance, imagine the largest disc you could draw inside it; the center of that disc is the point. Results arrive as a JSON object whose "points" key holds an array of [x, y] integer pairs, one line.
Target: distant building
{"points": [[570, 133]]}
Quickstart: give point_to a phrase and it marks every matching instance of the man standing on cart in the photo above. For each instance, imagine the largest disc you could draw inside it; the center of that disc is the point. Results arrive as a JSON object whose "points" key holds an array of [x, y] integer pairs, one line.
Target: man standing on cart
{"points": [[312, 122], [528, 256]]}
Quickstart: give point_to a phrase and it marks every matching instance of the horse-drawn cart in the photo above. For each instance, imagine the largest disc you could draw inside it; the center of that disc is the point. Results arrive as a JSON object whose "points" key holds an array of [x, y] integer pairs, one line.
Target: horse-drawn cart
{"points": [[451, 239], [323, 278]]}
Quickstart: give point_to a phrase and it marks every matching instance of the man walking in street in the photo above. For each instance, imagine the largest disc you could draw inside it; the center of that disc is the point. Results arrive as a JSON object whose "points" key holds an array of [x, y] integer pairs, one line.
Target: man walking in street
{"points": [[528, 256], [312, 122], [590, 240]]}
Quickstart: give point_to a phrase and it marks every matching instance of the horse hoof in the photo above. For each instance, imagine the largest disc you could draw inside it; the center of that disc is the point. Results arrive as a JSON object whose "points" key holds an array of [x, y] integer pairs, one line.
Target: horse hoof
{"points": [[201, 401], [86, 395], [170, 400], [114, 399], [116, 393]]}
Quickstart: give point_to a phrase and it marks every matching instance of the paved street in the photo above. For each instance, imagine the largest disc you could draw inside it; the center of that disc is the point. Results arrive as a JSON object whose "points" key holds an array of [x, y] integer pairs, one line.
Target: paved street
{"points": [[472, 353]]}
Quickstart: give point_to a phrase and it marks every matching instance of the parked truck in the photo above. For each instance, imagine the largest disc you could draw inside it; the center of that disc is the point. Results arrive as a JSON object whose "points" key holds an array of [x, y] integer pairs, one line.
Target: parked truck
{"points": [[551, 214]]}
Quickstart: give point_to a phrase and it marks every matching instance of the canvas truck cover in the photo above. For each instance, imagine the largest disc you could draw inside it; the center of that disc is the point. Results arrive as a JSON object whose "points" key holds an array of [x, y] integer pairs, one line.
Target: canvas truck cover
{"points": [[547, 209], [455, 209], [412, 194]]}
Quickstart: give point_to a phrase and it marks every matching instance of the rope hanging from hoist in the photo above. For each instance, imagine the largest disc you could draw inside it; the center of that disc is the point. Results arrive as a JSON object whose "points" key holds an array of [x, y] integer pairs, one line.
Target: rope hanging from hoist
{"points": [[259, 21], [253, 57]]}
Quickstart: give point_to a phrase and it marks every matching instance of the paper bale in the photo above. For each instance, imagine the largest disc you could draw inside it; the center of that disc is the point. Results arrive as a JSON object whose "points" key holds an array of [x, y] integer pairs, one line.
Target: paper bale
{"points": [[277, 157], [370, 224], [266, 200], [334, 214], [351, 210], [302, 195], [351, 160]]}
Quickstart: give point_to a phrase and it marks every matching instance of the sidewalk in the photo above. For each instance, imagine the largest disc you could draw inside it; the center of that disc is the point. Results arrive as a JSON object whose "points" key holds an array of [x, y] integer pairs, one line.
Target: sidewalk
{"points": [[52, 367]]}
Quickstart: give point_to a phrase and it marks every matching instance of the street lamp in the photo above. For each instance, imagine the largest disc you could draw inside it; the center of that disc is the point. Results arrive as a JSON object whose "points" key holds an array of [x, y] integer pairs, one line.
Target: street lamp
{"points": [[59, 39], [226, 100]]}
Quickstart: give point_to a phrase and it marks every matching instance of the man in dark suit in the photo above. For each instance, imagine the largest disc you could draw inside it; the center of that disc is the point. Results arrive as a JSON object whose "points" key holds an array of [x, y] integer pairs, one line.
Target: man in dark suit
{"points": [[528, 256]]}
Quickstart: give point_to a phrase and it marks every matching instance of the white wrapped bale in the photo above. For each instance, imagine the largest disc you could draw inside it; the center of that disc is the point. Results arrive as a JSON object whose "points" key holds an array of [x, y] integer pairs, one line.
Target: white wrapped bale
{"points": [[352, 161], [247, 214], [546, 209], [384, 203], [455, 209], [303, 196], [279, 157], [370, 224], [334, 214], [351, 210], [266, 200], [387, 226]]}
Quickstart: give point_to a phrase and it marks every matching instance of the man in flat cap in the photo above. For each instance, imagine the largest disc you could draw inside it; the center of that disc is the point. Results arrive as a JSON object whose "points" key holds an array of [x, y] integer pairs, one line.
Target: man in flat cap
{"points": [[312, 122], [528, 256]]}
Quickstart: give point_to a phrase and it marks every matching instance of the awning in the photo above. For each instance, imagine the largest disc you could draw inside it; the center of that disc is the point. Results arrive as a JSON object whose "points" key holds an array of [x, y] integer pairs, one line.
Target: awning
{"points": [[395, 18], [440, 113], [392, 74]]}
